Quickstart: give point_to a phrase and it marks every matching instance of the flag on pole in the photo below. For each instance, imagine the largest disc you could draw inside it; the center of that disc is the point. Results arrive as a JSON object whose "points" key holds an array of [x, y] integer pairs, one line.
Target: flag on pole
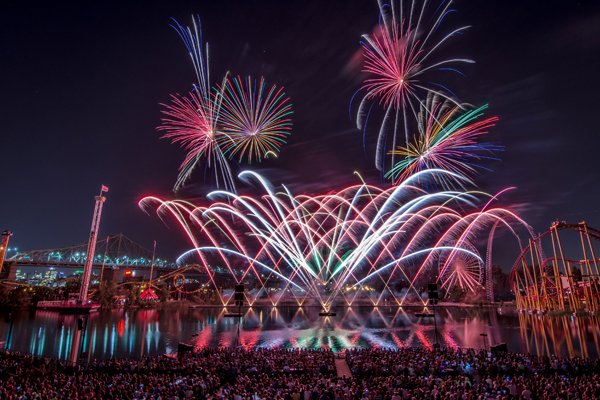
{"points": [[104, 189]]}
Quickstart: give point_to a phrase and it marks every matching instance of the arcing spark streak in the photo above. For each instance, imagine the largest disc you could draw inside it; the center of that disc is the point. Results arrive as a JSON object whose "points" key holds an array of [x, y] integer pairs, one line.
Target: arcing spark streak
{"points": [[338, 247]]}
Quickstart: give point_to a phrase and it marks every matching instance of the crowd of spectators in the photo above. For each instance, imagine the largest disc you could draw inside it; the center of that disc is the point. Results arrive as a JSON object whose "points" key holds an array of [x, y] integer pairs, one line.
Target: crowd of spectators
{"points": [[223, 373], [281, 374], [418, 373]]}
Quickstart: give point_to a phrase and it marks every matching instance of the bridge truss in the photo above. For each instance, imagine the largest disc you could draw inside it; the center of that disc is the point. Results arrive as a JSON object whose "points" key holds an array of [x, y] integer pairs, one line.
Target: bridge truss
{"points": [[561, 282], [114, 250]]}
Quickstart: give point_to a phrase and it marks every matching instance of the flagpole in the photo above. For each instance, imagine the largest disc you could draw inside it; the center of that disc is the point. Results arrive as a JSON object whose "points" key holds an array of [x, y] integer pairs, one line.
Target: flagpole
{"points": [[152, 266], [104, 259]]}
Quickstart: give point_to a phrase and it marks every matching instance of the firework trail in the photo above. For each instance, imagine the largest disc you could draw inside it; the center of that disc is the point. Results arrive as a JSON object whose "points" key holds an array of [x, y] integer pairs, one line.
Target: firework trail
{"points": [[193, 42], [193, 121], [254, 121], [447, 140], [400, 62], [337, 247]]}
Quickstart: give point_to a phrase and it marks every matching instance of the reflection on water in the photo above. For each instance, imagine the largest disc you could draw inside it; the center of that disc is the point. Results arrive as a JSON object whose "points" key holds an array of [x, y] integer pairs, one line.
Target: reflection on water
{"points": [[566, 335], [133, 333]]}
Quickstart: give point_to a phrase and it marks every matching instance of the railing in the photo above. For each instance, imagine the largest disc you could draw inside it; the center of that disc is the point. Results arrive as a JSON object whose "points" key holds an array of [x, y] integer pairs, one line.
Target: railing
{"points": [[57, 303]]}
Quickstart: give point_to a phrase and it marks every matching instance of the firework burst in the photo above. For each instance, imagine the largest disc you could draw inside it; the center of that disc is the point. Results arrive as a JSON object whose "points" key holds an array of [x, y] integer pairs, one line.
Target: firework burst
{"points": [[193, 120], [447, 140], [399, 59], [254, 121]]}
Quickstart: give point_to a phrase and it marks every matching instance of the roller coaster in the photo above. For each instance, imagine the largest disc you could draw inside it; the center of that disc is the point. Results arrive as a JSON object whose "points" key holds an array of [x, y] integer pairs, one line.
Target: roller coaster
{"points": [[568, 281], [187, 279]]}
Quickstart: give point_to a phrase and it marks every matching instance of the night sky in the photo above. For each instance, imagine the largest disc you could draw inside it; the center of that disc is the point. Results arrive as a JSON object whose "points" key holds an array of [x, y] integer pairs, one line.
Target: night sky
{"points": [[81, 85]]}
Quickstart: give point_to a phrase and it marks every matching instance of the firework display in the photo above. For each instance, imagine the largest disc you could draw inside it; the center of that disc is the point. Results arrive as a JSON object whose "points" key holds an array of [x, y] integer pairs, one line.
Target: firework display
{"points": [[362, 243], [255, 121], [399, 59], [447, 140], [235, 117]]}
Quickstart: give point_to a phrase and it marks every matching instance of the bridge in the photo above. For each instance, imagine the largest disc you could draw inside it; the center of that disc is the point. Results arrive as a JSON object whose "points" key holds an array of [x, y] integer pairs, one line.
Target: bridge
{"points": [[114, 250], [114, 253]]}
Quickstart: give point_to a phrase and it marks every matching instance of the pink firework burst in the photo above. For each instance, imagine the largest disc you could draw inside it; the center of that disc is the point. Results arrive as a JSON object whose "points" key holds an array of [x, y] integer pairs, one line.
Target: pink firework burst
{"points": [[399, 59], [192, 123], [394, 61]]}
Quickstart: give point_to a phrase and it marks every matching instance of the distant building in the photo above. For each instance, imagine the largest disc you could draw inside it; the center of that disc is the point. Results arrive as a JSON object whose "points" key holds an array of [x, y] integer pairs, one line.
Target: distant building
{"points": [[50, 274]]}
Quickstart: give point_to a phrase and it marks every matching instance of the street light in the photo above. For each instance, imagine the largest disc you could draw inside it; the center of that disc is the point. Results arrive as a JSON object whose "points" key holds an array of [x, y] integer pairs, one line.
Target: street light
{"points": [[432, 290], [484, 335]]}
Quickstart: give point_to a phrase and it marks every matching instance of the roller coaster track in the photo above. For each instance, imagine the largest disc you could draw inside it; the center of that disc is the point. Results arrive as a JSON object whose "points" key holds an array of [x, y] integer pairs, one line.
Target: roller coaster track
{"points": [[552, 283]]}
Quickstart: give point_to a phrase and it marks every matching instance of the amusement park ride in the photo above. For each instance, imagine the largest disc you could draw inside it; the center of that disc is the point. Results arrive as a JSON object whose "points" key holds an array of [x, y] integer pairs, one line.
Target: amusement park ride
{"points": [[5, 236], [81, 304], [558, 283]]}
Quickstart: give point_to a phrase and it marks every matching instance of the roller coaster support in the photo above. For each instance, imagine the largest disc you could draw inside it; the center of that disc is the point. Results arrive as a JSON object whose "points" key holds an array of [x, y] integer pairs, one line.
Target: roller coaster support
{"points": [[5, 236]]}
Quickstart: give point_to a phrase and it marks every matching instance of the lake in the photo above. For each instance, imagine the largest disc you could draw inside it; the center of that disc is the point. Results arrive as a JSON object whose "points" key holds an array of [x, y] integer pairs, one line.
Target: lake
{"points": [[137, 332]]}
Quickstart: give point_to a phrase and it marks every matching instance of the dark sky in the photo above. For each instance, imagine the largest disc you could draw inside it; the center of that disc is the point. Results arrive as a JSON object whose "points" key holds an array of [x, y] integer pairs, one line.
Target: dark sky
{"points": [[81, 85]]}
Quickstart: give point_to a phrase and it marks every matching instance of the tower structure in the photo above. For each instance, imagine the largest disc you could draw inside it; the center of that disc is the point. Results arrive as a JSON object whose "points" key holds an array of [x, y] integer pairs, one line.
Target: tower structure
{"points": [[3, 246], [489, 281], [85, 283]]}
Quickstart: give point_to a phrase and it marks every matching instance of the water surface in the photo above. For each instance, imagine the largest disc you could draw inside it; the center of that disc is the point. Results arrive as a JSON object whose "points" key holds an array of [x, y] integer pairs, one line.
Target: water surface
{"points": [[133, 333]]}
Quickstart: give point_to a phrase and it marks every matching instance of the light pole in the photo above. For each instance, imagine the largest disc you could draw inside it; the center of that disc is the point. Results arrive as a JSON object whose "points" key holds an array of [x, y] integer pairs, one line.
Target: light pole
{"points": [[104, 259], [152, 268], [484, 335], [432, 289], [239, 301]]}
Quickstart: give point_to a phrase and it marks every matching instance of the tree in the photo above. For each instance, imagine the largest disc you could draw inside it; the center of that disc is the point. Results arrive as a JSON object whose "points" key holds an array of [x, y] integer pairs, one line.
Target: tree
{"points": [[107, 293], [193, 298], [20, 297], [4, 296], [163, 292], [42, 292], [214, 297], [501, 283], [133, 298], [475, 296], [71, 286], [455, 294]]}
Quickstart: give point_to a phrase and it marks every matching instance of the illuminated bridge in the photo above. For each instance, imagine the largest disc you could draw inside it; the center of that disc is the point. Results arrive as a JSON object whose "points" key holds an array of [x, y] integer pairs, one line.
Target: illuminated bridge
{"points": [[116, 253], [120, 251]]}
